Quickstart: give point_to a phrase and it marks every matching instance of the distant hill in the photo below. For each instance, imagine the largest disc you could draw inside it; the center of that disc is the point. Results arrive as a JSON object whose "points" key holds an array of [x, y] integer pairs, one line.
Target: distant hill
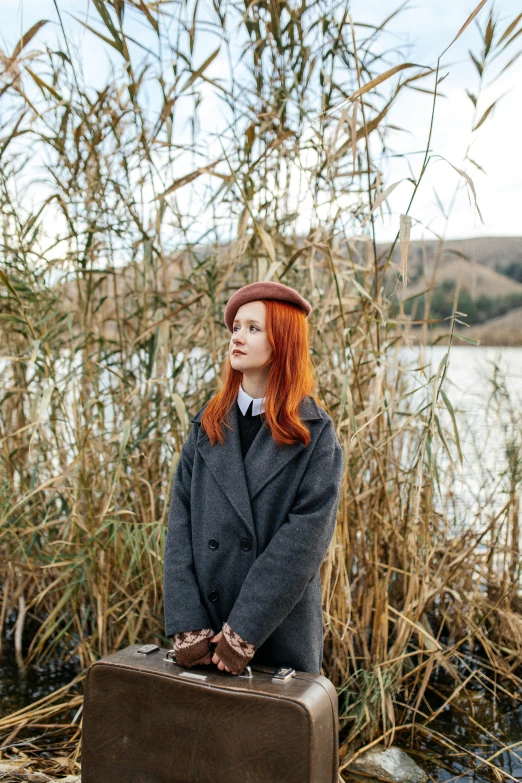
{"points": [[487, 270], [499, 253], [488, 274], [504, 330], [478, 280]]}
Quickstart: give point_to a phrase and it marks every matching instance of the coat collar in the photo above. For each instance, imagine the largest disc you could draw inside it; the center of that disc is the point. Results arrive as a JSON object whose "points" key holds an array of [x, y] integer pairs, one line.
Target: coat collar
{"points": [[241, 480]]}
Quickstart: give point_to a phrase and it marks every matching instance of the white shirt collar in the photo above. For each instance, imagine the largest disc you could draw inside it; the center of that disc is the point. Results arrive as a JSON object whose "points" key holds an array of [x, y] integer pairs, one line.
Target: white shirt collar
{"points": [[245, 399]]}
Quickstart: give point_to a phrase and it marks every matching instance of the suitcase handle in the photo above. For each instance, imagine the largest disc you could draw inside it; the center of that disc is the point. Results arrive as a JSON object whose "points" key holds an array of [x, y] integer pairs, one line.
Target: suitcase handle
{"points": [[279, 674]]}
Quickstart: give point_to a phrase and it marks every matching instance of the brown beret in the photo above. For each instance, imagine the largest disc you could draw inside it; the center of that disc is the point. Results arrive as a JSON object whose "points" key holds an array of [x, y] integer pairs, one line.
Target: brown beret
{"points": [[265, 289]]}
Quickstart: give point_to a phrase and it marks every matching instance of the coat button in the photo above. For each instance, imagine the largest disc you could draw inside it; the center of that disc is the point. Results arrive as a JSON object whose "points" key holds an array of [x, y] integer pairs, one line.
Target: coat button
{"points": [[213, 544], [214, 595], [245, 544]]}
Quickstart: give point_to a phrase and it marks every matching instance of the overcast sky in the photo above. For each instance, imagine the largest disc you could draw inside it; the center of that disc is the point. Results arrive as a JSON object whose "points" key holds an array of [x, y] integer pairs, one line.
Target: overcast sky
{"points": [[429, 27], [426, 27]]}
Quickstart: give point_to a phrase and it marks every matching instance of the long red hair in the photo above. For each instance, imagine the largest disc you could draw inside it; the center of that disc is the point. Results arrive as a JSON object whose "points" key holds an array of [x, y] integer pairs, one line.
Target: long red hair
{"points": [[291, 378]]}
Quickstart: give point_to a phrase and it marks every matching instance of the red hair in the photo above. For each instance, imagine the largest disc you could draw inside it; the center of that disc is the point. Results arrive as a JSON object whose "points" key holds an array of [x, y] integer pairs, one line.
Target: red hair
{"points": [[291, 378]]}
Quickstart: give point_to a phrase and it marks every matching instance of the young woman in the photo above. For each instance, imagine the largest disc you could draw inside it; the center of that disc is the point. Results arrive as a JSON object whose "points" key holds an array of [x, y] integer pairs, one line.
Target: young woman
{"points": [[255, 499]]}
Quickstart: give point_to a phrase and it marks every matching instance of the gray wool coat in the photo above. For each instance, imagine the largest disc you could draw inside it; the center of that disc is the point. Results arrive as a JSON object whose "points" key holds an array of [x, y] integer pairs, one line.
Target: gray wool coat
{"points": [[246, 538]]}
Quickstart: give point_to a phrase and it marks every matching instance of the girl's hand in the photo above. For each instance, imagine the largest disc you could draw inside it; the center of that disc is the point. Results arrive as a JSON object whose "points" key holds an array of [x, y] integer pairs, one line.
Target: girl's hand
{"points": [[192, 648], [234, 651], [215, 658]]}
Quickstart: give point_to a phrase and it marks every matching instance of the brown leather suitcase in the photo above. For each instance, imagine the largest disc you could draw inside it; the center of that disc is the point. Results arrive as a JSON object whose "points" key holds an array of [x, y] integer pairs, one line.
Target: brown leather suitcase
{"points": [[146, 719]]}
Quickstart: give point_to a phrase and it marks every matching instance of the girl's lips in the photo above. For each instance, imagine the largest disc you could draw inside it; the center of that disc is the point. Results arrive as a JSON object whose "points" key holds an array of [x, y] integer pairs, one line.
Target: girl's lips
{"points": [[240, 352]]}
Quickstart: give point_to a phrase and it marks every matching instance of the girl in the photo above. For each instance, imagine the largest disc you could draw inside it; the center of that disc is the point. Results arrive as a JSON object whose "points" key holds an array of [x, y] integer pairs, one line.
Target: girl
{"points": [[253, 510]]}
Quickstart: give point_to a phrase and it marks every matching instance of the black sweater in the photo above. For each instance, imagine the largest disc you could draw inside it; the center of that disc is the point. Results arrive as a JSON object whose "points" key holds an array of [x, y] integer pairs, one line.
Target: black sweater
{"points": [[249, 426]]}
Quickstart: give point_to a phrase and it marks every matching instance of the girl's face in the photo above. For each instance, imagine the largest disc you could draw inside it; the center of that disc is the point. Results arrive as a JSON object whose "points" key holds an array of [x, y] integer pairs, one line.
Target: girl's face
{"points": [[249, 337]]}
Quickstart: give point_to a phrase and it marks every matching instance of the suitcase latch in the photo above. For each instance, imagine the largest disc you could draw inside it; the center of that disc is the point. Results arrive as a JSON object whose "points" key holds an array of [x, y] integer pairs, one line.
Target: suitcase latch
{"points": [[283, 674], [147, 649], [170, 657], [194, 675]]}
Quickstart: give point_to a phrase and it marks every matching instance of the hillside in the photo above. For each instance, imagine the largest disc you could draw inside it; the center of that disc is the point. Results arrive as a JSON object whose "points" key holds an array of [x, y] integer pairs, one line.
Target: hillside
{"points": [[504, 330], [499, 253], [488, 297], [488, 275], [474, 278]]}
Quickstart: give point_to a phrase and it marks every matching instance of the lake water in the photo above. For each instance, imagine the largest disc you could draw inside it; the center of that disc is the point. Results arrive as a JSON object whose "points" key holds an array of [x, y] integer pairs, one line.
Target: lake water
{"points": [[484, 386]]}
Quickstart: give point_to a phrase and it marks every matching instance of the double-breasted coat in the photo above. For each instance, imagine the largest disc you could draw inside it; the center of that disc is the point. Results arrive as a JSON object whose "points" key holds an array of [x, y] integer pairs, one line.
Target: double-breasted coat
{"points": [[246, 538]]}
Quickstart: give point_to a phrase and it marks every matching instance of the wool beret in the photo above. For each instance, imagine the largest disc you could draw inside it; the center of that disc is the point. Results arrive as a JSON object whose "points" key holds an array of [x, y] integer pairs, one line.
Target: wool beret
{"points": [[264, 289]]}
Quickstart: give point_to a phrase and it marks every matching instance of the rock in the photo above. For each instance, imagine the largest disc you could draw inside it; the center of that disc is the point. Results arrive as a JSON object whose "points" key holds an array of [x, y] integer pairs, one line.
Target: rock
{"points": [[6, 766], [15, 773], [393, 764]]}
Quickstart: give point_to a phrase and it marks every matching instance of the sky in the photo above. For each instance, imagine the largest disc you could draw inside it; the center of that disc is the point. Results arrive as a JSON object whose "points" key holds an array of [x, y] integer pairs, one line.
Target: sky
{"points": [[428, 28], [425, 28]]}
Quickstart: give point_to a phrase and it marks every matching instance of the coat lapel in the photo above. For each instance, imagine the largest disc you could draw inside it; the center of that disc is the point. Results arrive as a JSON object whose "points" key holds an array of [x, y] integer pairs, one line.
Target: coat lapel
{"points": [[241, 480]]}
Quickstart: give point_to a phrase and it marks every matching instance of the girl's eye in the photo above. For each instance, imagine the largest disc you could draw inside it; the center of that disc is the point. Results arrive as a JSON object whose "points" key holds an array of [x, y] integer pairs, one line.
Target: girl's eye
{"points": [[251, 326]]}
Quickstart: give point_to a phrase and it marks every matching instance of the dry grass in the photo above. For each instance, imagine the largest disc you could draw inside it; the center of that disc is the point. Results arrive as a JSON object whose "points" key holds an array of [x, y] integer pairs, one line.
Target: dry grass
{"points": [[101, 371]]}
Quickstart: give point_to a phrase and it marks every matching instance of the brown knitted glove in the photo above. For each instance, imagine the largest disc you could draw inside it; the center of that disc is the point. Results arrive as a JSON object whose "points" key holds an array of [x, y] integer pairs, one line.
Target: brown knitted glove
{"points": [[192, 648], [234, 651]]}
